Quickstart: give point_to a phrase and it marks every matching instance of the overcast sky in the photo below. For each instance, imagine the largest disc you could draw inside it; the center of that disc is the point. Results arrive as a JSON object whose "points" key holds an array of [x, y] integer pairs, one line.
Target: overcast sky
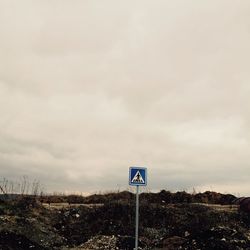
{"points": [[90, 88]]}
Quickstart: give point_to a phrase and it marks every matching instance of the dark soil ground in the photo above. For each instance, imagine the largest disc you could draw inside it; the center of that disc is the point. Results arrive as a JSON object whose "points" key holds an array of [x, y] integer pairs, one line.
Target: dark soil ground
{"points": [[165, 223]]}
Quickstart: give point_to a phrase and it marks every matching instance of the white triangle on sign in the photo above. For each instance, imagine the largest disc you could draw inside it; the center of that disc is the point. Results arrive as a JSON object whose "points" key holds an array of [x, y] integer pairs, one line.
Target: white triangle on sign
{"points": [[138, 178]]}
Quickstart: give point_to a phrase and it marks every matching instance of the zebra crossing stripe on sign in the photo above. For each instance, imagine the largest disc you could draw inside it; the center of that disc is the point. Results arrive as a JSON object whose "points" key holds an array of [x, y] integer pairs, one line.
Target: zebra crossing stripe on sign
{"points": [[137, 178]]}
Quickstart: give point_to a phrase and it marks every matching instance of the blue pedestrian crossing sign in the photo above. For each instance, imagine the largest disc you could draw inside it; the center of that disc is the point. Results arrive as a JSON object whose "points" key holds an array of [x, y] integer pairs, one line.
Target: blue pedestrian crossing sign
{"points": [[137, 176]]}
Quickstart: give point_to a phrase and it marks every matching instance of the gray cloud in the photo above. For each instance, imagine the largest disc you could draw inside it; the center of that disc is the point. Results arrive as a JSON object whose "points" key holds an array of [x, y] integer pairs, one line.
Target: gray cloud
{"points": [[88, 89]]}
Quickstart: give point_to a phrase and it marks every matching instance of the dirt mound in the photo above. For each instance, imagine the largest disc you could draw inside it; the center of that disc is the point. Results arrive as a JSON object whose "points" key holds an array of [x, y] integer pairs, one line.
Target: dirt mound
{"points": [[184, 197], [24, 224], [157, 198], [13, 241]]}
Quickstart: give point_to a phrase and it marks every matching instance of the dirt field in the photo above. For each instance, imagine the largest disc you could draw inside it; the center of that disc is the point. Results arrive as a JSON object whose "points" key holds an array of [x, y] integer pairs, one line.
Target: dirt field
{"points": [[26, 223]]}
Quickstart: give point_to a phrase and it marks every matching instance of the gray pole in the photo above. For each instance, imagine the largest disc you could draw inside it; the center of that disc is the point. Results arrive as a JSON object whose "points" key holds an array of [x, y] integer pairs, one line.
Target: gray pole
{"points": [[137, 217]]}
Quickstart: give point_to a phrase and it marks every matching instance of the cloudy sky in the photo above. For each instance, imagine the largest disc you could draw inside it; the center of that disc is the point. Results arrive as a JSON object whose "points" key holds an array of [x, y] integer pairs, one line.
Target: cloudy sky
{"points": [[90, 88]]}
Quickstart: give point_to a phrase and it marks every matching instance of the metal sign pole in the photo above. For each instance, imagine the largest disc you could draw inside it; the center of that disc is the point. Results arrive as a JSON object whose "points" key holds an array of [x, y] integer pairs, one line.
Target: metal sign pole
{"points": [[137, 217]]}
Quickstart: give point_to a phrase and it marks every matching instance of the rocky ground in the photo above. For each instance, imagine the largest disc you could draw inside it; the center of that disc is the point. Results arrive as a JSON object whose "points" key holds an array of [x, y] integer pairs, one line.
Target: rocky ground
{"points": [[26, 224]]}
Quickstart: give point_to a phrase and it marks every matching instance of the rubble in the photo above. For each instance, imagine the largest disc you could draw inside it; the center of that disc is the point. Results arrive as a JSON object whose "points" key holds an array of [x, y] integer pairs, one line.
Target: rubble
{"points": [[101, 242]]}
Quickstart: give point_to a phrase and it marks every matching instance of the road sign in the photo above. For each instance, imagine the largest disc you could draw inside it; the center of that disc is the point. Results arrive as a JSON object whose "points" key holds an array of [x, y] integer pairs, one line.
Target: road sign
{"points": [[137, 176]]}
